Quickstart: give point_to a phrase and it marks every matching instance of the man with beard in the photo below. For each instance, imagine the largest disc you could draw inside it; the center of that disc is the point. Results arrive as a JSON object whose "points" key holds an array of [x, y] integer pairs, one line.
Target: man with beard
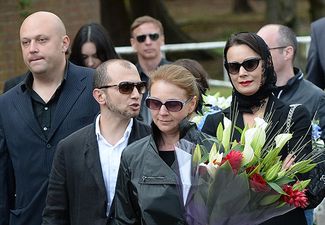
{"points": [[83, 177], [147, 37]]}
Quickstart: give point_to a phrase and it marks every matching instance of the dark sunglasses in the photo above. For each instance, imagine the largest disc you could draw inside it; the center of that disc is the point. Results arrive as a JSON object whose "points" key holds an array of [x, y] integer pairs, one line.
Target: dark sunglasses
{"points": [[171, 105], [126, 87], [248, 64], [142, 38]]}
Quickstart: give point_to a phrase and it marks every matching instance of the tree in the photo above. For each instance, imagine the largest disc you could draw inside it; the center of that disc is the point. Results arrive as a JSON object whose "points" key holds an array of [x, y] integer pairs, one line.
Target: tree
{"points": [[282, 11], [317, 9], [117, 16], [242, 6]]}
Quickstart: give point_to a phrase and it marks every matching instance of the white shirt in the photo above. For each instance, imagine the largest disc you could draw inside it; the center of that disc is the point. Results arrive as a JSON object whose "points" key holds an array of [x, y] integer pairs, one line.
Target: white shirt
{"points": [[110, 156]]}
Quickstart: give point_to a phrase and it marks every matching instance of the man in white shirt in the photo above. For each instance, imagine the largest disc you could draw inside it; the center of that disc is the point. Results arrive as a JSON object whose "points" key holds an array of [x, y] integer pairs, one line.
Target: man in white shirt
{"points": [[83, 177]]}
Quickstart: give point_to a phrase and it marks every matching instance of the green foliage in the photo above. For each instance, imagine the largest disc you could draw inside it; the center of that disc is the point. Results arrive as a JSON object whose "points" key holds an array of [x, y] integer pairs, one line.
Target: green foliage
{"points": [[25, 7]]}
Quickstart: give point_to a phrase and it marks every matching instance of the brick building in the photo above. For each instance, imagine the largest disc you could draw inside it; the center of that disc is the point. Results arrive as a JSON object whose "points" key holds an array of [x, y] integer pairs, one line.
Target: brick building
{"points": [[74, 13]]}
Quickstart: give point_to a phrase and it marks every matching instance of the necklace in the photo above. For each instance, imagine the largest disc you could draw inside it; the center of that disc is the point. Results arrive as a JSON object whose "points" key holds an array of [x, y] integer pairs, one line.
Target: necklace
{"points": [[255, 109]]}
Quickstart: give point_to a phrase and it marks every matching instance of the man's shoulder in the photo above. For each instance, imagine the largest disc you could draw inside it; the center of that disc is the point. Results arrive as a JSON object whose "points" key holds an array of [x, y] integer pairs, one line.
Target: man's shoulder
{"points": [[82, 134], [80, 70], [319, 23], [311, 88]]}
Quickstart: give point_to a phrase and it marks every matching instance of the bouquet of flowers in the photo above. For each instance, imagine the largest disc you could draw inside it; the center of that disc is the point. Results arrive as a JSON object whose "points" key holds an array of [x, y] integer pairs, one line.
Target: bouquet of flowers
{"points": [[245, 182]]}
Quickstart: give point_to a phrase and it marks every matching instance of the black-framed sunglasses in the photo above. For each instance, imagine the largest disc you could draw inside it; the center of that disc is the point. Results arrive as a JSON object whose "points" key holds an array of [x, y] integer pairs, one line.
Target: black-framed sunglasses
{"points": [[126, 87], [142, 38], [248, 64], [171, 105]]}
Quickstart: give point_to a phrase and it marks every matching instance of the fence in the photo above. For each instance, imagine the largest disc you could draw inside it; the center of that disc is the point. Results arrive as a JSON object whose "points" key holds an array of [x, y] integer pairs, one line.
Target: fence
{"points": [[304, 40]]}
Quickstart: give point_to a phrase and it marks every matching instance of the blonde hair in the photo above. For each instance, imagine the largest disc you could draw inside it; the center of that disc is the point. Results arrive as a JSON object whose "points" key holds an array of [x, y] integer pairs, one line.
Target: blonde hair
{"points": [[178, 76], [146, 19]]}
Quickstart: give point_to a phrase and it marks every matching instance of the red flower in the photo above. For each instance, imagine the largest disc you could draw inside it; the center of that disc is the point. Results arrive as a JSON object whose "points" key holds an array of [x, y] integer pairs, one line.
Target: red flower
{"points": [[234, 158], [258, 184], [295, 197]]}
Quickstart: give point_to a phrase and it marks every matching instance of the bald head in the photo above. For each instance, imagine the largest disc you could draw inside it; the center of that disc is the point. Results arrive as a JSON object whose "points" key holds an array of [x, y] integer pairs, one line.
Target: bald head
{"points": [[41, 19]]}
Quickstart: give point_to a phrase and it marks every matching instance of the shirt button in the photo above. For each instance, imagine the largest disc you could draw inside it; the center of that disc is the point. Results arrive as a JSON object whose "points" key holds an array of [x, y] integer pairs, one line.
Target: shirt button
{"points": [[48, 145], [46, 108], [45, 128]]}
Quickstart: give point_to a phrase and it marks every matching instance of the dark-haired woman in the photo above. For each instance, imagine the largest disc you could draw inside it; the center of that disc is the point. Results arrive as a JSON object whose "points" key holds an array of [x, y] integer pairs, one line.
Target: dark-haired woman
{"points": [[92, 46], [250, 69]]}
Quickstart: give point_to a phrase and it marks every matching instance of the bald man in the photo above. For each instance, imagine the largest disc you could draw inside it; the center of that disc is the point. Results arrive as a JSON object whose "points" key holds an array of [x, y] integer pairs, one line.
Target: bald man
{"points": [[292, 88], [54, 100], [83, 177]]}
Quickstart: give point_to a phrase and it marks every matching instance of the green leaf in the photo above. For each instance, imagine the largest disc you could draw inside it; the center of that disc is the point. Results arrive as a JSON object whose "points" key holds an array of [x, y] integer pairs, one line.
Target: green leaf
{"points": [[277, 188], [283, 180], [270, 199]]}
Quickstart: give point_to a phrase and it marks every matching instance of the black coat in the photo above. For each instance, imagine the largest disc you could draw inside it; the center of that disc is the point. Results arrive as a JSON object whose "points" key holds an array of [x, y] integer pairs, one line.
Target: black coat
{"points": [[76, 192], [278, 113]]}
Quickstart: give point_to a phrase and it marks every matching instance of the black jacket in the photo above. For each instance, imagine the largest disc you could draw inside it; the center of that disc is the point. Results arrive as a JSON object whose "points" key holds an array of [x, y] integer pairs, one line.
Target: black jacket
{"points": [[148, 191], [278, 113], [76, 192], [301, 91]]}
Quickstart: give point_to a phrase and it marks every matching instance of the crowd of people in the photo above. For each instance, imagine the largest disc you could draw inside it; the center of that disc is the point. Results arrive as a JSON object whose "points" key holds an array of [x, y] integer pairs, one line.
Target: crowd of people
{"points": [[87, 137]]}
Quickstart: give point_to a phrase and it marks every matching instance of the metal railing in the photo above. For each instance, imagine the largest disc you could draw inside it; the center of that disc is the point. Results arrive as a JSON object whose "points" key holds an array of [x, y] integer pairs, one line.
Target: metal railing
{"points": [[305, 40]]}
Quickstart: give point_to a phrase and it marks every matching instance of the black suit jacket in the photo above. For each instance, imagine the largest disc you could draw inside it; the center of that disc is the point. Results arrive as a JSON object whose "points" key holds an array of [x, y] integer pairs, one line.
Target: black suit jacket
{"points": [[315, 68], [76, 193], [26, 154]]}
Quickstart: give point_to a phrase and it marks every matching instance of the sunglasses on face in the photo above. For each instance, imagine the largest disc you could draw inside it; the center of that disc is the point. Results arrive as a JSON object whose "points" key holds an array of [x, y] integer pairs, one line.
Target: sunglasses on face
{"points": [[248, 64], [142, 38], [126, 87], [171, 105]]}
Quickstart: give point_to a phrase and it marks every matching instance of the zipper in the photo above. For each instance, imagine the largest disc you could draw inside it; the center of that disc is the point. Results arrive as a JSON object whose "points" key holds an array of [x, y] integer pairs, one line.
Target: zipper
{"points": [[144, 178]]}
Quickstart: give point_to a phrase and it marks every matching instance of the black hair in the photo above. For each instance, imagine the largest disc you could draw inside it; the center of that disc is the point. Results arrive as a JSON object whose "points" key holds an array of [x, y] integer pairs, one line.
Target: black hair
{"points": [[96, 34], [257, 44]]}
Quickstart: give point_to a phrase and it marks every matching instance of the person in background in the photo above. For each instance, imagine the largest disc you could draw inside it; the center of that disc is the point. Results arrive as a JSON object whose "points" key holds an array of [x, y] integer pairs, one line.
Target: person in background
{"points": [[315, 68], [52, 102], [150, 188], [92, 46], [250, 69], [12, 82], [83, 177], [292, 88], [201, 77], [147, 38]]}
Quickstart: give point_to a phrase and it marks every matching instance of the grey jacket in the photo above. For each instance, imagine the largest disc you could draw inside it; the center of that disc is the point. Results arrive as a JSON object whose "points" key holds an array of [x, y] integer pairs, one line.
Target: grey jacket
{"points": [[148, 191]]}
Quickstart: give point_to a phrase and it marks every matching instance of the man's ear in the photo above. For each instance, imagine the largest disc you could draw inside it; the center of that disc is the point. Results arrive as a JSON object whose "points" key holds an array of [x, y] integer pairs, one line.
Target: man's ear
{"points": [[99, 96], [65, 43], [289, 52]]}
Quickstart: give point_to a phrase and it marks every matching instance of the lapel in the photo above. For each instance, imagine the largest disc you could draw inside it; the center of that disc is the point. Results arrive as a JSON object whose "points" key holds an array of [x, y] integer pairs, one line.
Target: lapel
{"points": [[71, 91], [24, 106], [91, 154]]}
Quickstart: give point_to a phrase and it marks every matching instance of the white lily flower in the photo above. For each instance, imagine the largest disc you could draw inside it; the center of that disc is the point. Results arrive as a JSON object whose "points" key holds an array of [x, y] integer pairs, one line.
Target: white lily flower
{"points": [[282, 139], [226, 133]]}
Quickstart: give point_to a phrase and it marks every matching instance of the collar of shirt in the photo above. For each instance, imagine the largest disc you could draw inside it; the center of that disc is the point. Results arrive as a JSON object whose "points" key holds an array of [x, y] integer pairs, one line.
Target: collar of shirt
{"points": [[110, 156], [28, 82], [100, 137]]}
